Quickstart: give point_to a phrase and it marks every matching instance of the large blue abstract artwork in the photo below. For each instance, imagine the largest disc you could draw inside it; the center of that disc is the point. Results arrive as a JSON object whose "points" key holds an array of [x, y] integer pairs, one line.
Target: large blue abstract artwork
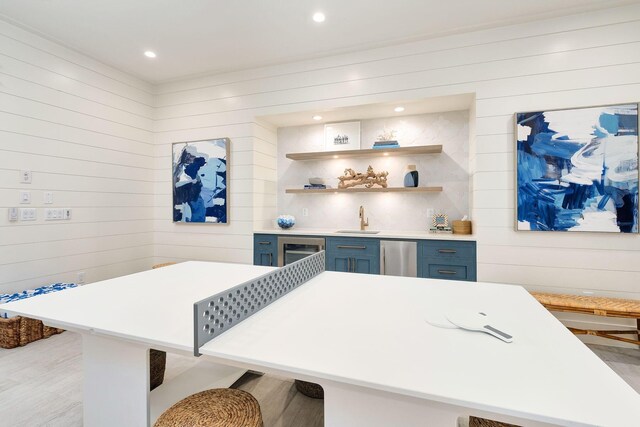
{"points": [[200, 184], [577, 170]]}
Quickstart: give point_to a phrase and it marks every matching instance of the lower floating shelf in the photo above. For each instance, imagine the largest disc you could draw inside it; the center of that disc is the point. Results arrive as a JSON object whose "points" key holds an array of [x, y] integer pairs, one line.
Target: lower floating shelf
{"points": [[365, 190]]}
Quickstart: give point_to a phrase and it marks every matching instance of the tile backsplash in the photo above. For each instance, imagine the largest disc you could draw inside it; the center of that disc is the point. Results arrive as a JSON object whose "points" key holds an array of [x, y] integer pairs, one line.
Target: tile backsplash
{"points": [[386, 211]]}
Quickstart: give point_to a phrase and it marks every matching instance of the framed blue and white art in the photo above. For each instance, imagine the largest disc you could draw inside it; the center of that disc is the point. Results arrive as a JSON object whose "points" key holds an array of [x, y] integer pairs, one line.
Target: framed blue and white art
{"points": [[200, 181], [577, 169]]}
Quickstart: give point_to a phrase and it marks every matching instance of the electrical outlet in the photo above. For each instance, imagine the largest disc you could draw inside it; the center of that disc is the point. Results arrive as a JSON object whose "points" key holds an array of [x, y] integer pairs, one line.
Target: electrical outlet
{"points": [[25, 197], [25, 177], [305, 211], [27, 214], [80, 277], [66, 213], [48, 197], [430, 213], [13, 214]]}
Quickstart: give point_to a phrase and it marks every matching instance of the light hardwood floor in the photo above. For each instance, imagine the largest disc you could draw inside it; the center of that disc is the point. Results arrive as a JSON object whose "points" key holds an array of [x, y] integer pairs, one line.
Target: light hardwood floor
{"points": [[41, 385]]}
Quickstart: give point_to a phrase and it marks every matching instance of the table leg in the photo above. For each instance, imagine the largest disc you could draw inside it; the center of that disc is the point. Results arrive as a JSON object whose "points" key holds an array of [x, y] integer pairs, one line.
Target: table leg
{"points": [[116, 383], [352, 406], [349, 406]]}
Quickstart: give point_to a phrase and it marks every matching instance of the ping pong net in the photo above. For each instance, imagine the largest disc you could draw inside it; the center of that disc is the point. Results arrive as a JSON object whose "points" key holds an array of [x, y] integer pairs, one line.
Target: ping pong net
{"points": [[218, 313]]}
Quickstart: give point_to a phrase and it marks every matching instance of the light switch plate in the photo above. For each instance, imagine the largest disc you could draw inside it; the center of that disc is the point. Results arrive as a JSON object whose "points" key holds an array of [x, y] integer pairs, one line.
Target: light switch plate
{"points": [[57, 214], [27, 214], [13, 214], [25, 197], [25, 177], [48, 197]]}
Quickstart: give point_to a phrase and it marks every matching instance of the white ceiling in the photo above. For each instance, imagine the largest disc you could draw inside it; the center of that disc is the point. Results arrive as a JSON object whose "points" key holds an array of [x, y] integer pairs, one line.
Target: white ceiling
{"points": [[207, 36]]}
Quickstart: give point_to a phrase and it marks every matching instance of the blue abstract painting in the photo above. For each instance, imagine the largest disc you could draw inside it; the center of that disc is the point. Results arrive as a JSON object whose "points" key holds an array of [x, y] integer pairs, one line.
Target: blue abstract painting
{"points": [[577, 169], [200, 181]]}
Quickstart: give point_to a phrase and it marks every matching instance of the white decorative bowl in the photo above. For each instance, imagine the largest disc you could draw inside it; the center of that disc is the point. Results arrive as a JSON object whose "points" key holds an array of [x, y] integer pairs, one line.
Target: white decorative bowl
{"points": [[316, 181]]}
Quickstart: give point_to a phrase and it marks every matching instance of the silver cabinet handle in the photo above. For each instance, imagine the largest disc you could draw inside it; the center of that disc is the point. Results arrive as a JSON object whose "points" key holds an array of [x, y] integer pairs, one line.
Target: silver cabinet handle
{"points": [[447, 251], [348, 264], [447, 272], [270, 259], [264, 243], [350, 247]]}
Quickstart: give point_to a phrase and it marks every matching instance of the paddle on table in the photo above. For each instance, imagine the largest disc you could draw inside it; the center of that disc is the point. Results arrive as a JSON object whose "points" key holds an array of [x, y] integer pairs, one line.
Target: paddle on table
{"points": [[476, 321]]}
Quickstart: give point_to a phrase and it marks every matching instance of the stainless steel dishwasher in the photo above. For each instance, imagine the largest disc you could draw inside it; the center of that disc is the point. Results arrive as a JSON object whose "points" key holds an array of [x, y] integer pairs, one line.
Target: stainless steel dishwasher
{"points": [[399, 258]]}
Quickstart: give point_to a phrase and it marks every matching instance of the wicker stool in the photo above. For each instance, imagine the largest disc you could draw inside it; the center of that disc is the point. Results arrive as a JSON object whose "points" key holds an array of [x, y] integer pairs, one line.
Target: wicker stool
{"points": [[157, 358], [482, 422], [220, 407], [310, 389], [157, 366]]}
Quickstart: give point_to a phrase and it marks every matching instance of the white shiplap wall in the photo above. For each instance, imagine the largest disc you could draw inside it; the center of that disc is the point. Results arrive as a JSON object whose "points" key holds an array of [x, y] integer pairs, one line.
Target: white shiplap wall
{"points": [[101, 141], [580, 60], [86, 132]]}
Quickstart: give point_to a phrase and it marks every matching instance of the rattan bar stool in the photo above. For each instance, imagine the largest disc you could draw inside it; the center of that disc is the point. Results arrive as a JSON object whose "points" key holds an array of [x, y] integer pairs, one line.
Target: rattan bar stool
{"points": [[219, 407]]}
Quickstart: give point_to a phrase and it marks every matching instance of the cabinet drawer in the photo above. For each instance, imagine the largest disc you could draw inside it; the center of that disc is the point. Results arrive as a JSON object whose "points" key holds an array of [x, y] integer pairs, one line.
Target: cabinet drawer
{"points": [[265, 241], [450, 272], [448, 251], [355, 247]]}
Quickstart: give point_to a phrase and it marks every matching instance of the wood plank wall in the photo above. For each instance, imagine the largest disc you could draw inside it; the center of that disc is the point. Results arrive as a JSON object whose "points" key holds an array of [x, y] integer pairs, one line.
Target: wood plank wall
{"points": [[86, 133], [579, 60], [112, 140]]}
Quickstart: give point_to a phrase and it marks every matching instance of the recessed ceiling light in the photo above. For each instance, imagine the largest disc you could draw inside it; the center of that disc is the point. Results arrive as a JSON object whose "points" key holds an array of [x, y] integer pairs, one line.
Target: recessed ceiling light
{"points": [[317, 117], [319, 17], [398, 109], [150, 54]]}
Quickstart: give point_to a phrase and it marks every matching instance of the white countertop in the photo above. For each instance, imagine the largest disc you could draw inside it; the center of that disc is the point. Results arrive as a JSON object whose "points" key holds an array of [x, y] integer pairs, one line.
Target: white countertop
{"points": [[383, 234]]}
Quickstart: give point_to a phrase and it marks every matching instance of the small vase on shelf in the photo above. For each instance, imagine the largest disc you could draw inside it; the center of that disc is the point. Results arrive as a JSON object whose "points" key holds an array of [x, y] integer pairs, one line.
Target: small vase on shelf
{"points": [[410, 176]]}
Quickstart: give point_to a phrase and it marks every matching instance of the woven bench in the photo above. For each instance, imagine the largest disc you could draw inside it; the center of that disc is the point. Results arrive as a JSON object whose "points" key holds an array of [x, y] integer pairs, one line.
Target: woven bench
{"points": [[598, 306]]}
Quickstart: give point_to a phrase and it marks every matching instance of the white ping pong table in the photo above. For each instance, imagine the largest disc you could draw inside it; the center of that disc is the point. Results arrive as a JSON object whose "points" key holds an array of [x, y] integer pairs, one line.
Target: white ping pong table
{"points": [[364, 338]]}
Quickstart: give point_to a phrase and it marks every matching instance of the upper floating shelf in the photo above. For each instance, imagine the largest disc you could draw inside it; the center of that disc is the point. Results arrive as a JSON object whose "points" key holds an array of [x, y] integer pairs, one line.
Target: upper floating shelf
{"points": [[348, 154]]}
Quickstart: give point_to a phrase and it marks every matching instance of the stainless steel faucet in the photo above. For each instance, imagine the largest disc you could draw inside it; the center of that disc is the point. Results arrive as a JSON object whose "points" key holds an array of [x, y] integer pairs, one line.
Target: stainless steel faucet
{"points": [[363, 224]]}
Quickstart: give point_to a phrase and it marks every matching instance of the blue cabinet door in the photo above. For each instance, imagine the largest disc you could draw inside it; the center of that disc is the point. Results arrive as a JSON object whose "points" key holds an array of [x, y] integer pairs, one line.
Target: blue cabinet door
{"points": [[338, 263], [444, 259], [265, 250], [353, 255]]}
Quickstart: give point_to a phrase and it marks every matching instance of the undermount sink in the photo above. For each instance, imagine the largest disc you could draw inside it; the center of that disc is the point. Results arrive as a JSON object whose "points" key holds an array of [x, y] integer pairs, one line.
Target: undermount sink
{"points": [[358, 231]]}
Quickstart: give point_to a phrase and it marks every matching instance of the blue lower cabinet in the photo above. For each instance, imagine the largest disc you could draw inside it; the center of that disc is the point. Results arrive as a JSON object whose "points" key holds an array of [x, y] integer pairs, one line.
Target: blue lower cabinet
{"points": [[450, 260], [437, 259], [265, 250], [353, 255]]}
